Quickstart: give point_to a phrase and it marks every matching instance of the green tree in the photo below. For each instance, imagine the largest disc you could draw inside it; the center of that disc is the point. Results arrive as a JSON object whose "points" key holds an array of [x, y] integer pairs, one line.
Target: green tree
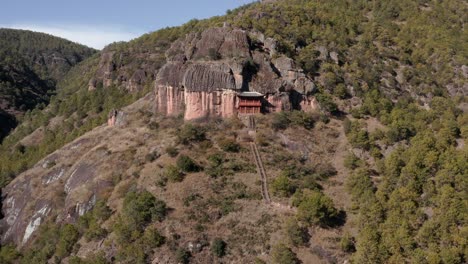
{"points": [[282, 186], [218, 247], [186, 164], [316, 208], [281, 254], [297, 234]]}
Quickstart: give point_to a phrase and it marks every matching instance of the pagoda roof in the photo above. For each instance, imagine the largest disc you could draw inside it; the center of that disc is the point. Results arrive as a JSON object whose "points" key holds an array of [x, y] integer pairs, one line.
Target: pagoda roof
{"points": [[250, 94]]}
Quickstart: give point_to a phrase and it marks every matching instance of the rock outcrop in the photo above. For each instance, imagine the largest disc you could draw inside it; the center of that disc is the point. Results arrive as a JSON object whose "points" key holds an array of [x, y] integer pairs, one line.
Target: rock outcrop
{"points": [[204, 72]]}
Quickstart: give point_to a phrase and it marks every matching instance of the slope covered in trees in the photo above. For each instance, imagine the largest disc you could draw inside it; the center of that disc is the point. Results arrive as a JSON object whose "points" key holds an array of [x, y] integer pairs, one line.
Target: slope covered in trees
{"points": [[30, 66]]}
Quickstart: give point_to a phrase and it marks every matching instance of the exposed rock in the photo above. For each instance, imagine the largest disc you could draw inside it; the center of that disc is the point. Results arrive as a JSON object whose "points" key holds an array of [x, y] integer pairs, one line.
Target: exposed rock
{"points": [[92, 84], [464, 70], [106, 67], [115, 118], [137, 80], [271, 45], [228, 43], [204, 72], [202, 104], [208, 77], [334, 57], [323, 53]]}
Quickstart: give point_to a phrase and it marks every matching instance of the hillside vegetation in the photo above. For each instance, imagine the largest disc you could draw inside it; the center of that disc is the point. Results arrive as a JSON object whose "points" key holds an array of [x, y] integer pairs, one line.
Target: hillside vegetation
{"points": [[377, 176], [30, 66]]}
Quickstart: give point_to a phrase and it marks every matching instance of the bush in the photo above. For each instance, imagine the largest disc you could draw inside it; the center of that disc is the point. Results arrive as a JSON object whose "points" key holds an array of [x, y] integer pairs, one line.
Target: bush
{"points": [[280, 121], [182, 256], [218, 247], [340, 91], [172, 151], [281, 254], [347, 243], [297, 234], [229, 145], [152, 156], [191, 133], [140, 208], [8, 254], [303, 119], [69, 235], [173, 174], [351, 162], [186, 164], [94, 258], [326, 102], [316, 208], [282, 186], [152, 238]]}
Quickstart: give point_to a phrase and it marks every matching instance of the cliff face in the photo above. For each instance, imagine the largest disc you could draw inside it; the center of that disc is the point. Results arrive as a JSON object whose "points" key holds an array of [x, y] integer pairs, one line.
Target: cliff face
{"points": [[205, 71]]}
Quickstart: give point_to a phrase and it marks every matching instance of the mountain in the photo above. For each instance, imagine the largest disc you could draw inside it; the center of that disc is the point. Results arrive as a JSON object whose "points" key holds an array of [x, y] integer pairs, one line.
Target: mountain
{"points": [[145, 155], [30, 66]]}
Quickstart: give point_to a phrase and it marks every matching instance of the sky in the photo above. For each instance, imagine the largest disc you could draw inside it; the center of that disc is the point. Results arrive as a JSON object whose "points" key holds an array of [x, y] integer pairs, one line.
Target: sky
{"points": [[96, 23]]}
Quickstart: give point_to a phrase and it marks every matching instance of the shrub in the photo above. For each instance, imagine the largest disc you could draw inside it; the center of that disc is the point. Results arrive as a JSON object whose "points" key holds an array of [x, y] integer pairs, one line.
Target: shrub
{"points": [[351, 161], [303, 119], [280, 121], [172, 151], [69, 235], [140, 208], [173, 174], [152, 156], [316, 208], [281, 254], [186, 164], [282, 186], [347, 243], [229, 145], [326, 102], [340, 91], [8, 254], [297, 234], [94, 258], [153, 125], [152, 238], [182, 256], [218, 247], [191, 133]]}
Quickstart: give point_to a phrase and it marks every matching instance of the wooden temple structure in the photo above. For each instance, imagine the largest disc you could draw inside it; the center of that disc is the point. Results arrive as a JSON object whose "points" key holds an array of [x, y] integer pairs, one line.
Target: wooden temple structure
{"points": [[249, 103]]}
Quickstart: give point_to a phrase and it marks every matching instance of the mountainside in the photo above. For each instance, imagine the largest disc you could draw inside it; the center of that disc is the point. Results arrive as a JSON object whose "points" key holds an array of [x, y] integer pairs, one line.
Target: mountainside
{"points": [[359, 156], [30, 66]]}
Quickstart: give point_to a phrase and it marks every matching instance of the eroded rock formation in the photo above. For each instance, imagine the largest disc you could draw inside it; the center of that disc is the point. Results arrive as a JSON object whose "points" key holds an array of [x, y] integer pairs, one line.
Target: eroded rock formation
{"points": [[205, 71]]}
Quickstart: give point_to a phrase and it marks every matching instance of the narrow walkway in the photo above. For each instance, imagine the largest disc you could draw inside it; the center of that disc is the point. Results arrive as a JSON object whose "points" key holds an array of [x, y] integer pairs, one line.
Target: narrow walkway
{"points": [[251, 123], [259, 163], [261, 171]]}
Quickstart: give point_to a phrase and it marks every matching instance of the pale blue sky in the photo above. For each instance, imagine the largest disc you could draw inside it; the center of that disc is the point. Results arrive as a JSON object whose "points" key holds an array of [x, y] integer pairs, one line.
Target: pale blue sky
{"points": [[100, 22]]}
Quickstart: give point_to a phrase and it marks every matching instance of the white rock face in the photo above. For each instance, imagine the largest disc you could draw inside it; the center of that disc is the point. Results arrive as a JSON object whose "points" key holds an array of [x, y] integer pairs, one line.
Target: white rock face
{"points": [[35, 222], [53, 178]]}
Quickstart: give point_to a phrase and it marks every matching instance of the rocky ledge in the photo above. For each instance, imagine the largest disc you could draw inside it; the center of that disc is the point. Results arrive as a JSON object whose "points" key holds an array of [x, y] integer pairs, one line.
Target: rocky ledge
{"points": [[204, 72]]}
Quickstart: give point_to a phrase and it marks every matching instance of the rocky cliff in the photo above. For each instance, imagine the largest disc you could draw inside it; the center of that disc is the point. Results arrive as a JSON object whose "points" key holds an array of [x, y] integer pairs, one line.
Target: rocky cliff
{"points": [[205, 71]]}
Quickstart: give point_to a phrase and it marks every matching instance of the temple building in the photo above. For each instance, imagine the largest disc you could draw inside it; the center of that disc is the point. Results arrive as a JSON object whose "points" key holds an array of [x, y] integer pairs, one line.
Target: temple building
{"points": [[249, 103]]}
